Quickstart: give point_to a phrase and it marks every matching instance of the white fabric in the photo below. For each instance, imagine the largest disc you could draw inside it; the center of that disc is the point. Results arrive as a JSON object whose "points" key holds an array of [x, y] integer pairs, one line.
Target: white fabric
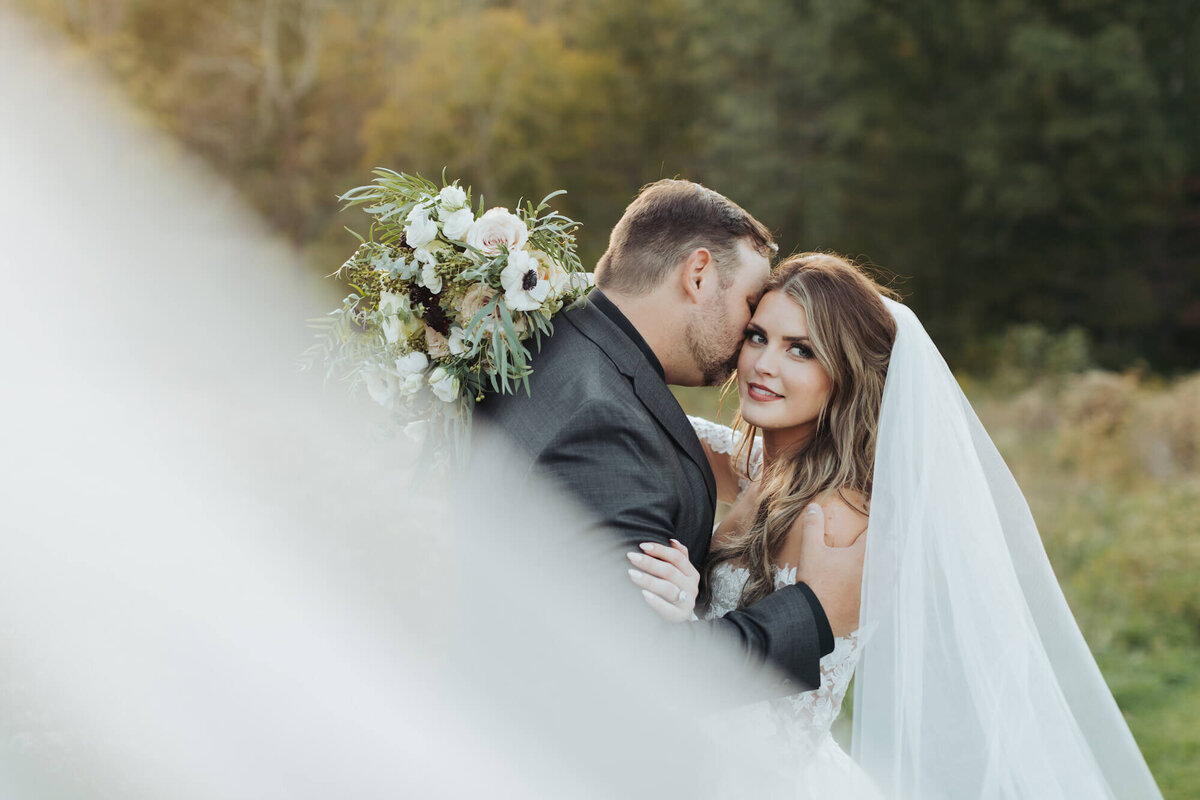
{"points": [[212, 586], [797, 728], [976, 681], [722, 439]]}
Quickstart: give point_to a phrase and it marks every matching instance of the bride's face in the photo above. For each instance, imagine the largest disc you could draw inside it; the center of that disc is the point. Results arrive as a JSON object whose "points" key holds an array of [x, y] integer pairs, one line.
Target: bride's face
{"points": [[780, 382]]}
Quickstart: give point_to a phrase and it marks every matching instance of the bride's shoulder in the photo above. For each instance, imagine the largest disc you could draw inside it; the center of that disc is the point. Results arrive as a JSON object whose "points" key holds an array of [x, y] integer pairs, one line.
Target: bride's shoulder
{"points": [[846, 517]]}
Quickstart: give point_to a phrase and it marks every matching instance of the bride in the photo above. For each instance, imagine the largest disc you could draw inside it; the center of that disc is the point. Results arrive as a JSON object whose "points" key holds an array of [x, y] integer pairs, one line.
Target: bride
{"points": [[973, 679]]}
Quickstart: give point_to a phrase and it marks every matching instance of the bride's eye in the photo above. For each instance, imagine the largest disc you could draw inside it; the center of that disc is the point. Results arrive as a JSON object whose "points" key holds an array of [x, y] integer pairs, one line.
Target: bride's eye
{"points": [[801, 351], [754, 337]]}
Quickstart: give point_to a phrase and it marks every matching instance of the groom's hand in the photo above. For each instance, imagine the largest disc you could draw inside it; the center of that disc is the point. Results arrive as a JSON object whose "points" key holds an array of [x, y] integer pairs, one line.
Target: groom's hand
{"points": [[833, 573]]}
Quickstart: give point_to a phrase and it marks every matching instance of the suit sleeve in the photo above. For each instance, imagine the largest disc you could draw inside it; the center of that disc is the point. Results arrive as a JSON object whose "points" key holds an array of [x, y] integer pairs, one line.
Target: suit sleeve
{"points": [[612, 469]]}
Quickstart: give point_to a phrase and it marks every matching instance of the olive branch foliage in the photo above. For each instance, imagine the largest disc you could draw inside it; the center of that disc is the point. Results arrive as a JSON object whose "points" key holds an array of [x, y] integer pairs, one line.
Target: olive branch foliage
{"points": [[495, 353]]}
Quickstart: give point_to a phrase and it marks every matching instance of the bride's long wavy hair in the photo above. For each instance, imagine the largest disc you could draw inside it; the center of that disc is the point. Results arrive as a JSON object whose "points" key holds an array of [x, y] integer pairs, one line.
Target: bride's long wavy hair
{"points": [[852, 332]]}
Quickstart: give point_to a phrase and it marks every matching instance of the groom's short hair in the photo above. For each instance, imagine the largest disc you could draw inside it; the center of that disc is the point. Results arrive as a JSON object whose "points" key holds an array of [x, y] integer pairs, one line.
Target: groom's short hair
{"points": [[667, 221]]}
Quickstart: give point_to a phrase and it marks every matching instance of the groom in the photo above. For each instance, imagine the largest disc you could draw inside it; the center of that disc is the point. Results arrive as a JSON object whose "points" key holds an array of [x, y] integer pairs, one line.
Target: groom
{"points": [[684, 268]]}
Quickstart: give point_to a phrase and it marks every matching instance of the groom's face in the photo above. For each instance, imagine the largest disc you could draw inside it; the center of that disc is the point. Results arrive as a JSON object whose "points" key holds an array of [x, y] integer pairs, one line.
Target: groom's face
{"points": [[716, 338]]}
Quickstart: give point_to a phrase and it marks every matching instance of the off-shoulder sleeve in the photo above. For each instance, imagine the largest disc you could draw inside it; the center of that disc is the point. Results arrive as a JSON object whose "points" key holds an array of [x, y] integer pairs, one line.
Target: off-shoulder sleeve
{"points": [[722, 439]]}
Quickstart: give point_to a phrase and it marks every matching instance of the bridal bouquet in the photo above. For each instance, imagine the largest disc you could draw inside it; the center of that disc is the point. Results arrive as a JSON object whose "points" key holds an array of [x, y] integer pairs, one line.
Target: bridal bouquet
{"points": [[445, 301]]}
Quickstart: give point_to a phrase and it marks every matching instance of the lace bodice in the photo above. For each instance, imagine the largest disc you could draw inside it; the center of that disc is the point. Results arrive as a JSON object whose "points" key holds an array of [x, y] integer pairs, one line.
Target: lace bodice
{"points": [[721, 439], [805, 718]]}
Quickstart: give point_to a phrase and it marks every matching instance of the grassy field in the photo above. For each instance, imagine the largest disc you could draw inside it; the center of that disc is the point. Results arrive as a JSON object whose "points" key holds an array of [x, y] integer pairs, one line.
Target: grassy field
{"points": [[1110, 464]]}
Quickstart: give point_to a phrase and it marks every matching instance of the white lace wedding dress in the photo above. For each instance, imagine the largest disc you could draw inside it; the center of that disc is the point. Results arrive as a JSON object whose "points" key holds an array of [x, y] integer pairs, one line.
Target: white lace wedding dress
{"points": [[796, 729]]}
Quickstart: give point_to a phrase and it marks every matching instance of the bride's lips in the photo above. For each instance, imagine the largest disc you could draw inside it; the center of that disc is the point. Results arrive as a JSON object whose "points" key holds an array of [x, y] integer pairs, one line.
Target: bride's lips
{"points": [[761, 394]]}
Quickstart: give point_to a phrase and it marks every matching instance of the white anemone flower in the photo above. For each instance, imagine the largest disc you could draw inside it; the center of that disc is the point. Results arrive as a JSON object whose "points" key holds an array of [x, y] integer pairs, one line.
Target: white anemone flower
{"points": [[524, 287]]}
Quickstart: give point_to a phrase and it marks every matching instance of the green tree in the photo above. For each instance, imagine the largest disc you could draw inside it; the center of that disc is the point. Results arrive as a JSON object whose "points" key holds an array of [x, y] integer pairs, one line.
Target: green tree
{"points": [[507, 105]]}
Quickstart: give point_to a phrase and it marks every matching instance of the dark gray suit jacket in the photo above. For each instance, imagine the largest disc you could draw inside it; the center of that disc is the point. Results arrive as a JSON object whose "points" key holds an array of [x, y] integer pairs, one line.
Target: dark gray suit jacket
{"points": [[601, 421]]}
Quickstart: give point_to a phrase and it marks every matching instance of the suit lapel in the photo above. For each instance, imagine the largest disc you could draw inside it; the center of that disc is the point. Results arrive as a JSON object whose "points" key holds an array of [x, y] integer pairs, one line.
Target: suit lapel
{"points": [[647, 385]]}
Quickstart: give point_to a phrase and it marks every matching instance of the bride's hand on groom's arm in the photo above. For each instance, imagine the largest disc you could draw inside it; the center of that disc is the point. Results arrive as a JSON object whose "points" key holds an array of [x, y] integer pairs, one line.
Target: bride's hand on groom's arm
{"points": [[667, 578]]}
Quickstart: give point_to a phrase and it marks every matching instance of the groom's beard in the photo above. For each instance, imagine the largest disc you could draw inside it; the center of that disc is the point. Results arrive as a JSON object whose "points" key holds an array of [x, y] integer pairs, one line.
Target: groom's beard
{"points": [[714, 348]]}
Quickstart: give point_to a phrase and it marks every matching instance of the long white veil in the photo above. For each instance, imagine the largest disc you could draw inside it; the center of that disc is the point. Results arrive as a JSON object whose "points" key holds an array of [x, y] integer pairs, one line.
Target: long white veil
{"points": [[213, 586], [975, 680]]}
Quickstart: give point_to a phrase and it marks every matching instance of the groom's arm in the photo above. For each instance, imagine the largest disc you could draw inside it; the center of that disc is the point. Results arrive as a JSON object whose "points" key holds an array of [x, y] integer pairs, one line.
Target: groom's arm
{"points": [[787, 628], [616, 472]]}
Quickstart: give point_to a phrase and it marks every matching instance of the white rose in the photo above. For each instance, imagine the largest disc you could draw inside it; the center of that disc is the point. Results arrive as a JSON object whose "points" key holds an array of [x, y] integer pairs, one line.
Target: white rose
{"points": [[398, 320], [392, 304], [429, 253], [414, 362], [457, 342], [444, 384], [392, 329], [421, 230], [497, 228], [381, 385], [551, 271], [430, 279], [415, 430], [451, 199], [456, 224], [410, 384], [524, 287]]}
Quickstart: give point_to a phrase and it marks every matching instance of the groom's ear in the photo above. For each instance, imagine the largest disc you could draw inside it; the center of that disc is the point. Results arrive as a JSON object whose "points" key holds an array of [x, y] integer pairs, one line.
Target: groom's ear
{"points": [[698, 267]]}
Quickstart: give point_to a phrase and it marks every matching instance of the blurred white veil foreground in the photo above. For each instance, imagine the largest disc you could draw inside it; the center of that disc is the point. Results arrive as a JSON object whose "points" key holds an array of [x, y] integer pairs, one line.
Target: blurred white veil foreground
{"points": [[212, 587], [975, 681]]}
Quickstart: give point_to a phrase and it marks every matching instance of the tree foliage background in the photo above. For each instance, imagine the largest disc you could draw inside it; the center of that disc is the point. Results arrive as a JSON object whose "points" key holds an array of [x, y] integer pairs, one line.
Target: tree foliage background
{"points": [[1012, 162], [1028, 170]]}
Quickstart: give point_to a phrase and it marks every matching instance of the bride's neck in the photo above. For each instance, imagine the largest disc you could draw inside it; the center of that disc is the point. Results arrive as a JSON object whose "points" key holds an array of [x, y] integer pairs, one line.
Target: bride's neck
{"points": [[779, 442]]}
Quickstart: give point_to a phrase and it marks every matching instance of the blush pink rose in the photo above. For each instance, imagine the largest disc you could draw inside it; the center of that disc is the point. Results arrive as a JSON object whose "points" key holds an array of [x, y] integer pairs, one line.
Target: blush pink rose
{"points": [[497, 228]]}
